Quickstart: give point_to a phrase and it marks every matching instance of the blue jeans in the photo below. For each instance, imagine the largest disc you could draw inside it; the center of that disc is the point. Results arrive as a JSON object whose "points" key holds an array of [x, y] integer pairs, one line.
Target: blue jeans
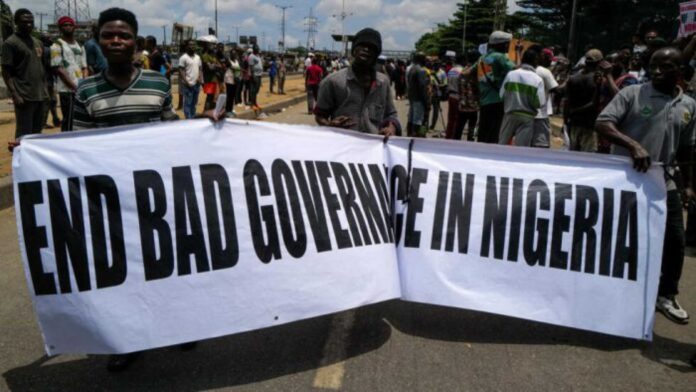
{"points": [[190, 94]]}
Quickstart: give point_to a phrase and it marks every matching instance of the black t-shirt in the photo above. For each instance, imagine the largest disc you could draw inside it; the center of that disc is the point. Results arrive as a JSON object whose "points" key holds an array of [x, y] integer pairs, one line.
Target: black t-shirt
{"points": [[23, 56], [581, 91]]}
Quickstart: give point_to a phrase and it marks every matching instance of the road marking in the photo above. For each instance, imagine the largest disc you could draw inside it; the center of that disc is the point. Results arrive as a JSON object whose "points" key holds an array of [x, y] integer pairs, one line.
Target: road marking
{"points": [[330, 373]]}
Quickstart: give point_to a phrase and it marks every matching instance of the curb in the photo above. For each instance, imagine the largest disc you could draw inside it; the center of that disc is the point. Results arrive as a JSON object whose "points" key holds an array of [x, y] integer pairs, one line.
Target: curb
{"points": [[7, 189], [271, 109]]}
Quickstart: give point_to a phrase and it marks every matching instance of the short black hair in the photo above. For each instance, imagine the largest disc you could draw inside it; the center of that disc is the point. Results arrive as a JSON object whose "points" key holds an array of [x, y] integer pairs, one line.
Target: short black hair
{"points": [[531, 56], [113, 14], [21, 12], [151, 39]]}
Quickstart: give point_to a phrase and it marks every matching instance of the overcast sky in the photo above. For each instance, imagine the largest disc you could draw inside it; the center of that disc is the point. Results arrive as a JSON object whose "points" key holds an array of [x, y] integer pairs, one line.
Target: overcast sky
{"points": [[401, 22]]}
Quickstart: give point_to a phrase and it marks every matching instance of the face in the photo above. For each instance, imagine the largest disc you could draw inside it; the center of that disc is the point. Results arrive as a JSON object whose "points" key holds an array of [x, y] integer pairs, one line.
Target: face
{"points": [[117, 41], [650, 36], [664, 69], [67, 28], [365, 54], [190, 47], [25, 24]]}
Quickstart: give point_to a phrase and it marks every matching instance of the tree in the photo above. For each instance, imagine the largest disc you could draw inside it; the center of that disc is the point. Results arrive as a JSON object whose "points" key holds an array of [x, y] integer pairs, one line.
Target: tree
{"points": [[448, 36], [605, 24]]}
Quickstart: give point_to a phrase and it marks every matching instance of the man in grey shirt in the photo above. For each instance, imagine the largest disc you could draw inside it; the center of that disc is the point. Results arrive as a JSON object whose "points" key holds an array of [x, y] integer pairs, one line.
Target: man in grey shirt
{"points": [[655, 122], [358, 97]]}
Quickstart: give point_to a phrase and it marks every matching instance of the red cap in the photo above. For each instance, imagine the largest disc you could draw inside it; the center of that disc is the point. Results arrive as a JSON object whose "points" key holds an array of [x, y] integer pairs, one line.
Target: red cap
{"points": [[547, 52], [66, 19]]}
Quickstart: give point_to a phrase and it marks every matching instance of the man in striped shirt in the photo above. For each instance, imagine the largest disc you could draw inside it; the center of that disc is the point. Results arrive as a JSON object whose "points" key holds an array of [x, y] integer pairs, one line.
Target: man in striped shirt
{"points": [[122, 94], [523, 94]]}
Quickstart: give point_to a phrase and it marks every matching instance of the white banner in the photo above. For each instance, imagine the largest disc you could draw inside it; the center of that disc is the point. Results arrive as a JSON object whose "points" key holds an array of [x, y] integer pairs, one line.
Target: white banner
{"points": [[143, 237], [571, 239]]}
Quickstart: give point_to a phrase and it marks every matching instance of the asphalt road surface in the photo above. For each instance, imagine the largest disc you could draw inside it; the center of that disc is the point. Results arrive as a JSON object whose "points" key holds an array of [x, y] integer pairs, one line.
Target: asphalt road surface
{"points": [[393, 346]]}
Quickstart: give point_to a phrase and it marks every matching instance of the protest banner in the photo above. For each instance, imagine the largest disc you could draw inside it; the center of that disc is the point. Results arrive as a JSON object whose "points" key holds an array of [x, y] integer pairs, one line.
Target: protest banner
{"points": [[148, 236], [687, 18]]}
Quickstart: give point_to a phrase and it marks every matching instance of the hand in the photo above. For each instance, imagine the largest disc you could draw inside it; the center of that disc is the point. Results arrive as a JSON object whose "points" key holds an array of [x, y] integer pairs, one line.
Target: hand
{"points": [[641, 158], [11, 145], [389, 130], [17, 100], [342, 122], [215, 117]]}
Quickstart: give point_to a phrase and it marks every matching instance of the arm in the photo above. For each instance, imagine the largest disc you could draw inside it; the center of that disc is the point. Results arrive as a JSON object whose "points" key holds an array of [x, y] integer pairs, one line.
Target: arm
{"points": [[390, 123], [607, 127], [324, 108], [641, 158], [9, 82], [690, 49]]}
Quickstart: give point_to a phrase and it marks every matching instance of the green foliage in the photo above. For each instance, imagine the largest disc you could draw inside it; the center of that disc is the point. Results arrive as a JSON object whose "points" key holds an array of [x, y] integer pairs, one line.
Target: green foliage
{"points": [[606, 24]]}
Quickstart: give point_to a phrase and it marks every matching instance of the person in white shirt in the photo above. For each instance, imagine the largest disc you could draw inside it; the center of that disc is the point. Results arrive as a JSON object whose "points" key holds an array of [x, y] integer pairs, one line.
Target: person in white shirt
{"points": [[191, 72], [69, 64], [542, 125]]}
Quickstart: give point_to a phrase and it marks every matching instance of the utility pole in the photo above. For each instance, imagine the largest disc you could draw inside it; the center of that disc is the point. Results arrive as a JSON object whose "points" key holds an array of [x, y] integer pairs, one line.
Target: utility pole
{"points": [[466, 5], [237, 29], [500, 11], [282, 23], [164, 35], [41, 15], [343, 16], [216, 25], [571, 39]]}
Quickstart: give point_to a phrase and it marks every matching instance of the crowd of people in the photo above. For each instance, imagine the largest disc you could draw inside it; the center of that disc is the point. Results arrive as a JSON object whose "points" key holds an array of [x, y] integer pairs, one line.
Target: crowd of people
{"points": [[636, 101]]}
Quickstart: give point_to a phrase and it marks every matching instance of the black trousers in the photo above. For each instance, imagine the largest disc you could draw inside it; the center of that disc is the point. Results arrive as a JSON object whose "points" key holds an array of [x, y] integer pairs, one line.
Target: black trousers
{"points": [[30, 117], [66, 109], [673, 249], [490, 120], [231, 91], [468, 119]]}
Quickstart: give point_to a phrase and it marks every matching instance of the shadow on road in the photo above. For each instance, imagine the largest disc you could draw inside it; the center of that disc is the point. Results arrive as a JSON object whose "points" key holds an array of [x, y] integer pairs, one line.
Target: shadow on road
{"points": [[216, 363], [450, 324]]}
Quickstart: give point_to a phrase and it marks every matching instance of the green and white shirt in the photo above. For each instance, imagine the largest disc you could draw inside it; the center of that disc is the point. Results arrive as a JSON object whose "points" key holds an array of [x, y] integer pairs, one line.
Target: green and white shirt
{"points": [[100, 104], [523, 92]]}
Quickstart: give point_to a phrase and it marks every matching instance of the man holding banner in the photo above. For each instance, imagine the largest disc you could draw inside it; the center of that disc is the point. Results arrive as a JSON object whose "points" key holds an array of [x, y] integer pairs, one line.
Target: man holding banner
{"points": [[145, 96], [655, 122], [359, 97]]}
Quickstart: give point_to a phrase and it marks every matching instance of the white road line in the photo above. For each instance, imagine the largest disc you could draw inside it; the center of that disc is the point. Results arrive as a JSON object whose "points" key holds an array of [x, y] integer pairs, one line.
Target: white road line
{"points": [[330, 374]]}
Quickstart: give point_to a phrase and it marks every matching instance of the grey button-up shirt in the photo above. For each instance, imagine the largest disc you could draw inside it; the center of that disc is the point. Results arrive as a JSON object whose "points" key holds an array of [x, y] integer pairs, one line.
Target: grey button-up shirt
{"points": [[659, 122], [340, 94]]}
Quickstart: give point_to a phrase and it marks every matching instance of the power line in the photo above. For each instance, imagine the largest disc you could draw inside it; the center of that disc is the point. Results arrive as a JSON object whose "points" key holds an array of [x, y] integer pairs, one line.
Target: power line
{"points": [[343, 15], [311, 22], [41, 15], [76, 9]]}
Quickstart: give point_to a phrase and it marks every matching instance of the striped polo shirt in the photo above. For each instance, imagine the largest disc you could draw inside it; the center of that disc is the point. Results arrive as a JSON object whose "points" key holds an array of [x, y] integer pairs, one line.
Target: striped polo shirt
{"points": [[523, 92], [100, 104]]}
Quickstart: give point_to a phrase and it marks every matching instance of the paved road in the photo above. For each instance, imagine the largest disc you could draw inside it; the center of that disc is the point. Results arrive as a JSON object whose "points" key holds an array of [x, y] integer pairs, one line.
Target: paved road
{"points": [[393, 346]]}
